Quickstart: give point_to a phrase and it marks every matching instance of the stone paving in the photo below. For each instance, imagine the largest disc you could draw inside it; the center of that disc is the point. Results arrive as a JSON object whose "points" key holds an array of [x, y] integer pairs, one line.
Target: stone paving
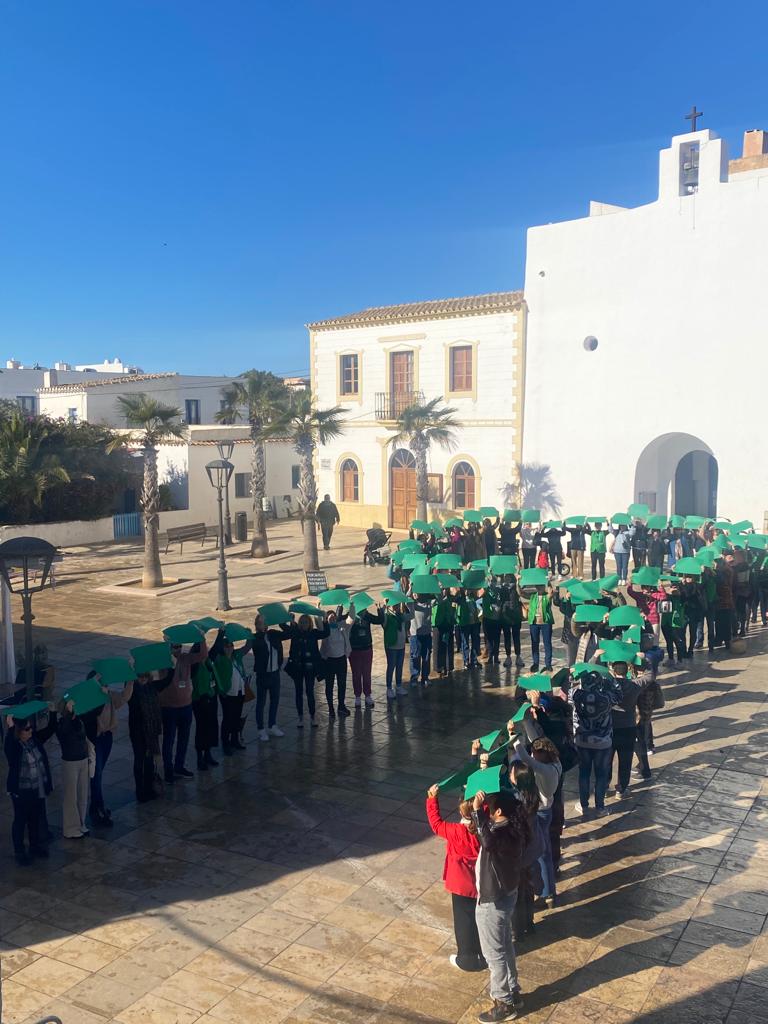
{"points": [[298, 882]]}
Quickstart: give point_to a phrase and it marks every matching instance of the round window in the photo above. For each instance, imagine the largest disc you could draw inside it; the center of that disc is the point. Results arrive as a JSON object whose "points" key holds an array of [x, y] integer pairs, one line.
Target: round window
{"points": [[590, 343]]}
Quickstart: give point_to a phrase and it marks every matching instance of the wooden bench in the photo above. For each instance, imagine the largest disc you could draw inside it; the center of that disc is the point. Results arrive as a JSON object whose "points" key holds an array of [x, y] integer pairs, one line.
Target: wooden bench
{"points": [[195, 531]]}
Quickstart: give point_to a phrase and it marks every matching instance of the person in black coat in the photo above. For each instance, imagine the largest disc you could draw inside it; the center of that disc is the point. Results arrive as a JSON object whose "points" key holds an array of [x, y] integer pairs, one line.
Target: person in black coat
{"points": [[267, 650], [304, 662], [29, 783]]}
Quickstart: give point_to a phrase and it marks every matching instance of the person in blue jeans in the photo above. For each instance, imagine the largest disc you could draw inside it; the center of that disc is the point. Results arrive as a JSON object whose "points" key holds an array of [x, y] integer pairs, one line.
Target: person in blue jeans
{"points": [[395, 623], [421, 641], [622, 546], [593, 698], [538, 609]]}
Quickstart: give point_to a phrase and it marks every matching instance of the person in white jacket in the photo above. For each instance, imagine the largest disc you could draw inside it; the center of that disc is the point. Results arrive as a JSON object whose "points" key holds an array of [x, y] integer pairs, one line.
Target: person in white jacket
{"points": [[334, 650]]}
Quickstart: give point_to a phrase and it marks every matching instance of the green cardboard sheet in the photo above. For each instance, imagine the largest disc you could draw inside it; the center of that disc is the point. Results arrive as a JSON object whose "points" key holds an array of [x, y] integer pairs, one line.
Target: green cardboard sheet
{"points": [[333, 598], [621, 519], [151, 658], [414, 560], [21, 712], [114, 671], [86, 696], [626, 615], [488, 512], [184, 633], [688, 567], [537, 681], [395, 597], [304, 608], [657, 522], [504, 565], [207, 623], [472, 579], [424, 583], [645, 576], [589, 614], [446, 560], [638, 510], [533, 578], [471, 515], [420, 526], [273, 614], [361, 601], [487, 741], [511, 515], [459, 778], [406, 546], [531, 515], [486, 780]]}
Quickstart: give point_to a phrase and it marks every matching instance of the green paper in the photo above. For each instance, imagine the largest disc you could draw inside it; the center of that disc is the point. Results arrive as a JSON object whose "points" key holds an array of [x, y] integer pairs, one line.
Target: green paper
{"points": [[273, 614], [397, 557], [757, 541], [504, 565], [589, 613], [742, 526], [489, 512], [578, 521], [424, 583], [499, 755], [304, 608], [478, 565], [610, 582], [332, 598], [632, 634], [657, 522], [447, 579], [553, 524], [694, 522], [621, 519], [406, 546], [638, 510], [533, 578], [511, 515], [596, 519], [183, 634], [724, 525], [617, 650], [114, 671], [530, 515], [419, 526], [645, 576], [453, 521], [581, 668], [437, 530], [687, 567], [538, 681], [21, 712], [487, 780], [361, 601], [414, 561], [627, 615], [738, 542], [559, 679], [206, 624], [459, 778], [677, 522], [487, 741], [584, 590], [472, 579], [86, 696], [394, 597], [446, 560], [519, 715], [471, 515], [151, 658]]}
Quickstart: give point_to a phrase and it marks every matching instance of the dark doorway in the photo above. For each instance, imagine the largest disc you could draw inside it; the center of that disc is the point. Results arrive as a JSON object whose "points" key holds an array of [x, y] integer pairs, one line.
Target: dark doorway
{"points": [[695, 490]]}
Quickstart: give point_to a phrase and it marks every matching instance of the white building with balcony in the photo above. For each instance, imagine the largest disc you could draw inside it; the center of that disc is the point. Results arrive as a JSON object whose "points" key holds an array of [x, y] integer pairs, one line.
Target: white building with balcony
{"points": [[471, 352]]}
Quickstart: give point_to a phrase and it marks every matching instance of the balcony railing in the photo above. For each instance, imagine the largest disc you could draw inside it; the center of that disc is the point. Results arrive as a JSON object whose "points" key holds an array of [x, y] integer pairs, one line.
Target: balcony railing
{"points": [[390, 405]]}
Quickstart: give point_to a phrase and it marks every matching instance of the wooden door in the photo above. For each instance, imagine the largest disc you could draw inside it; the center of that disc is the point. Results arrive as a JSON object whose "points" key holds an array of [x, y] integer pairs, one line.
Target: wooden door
{"points": [[402, 490]]}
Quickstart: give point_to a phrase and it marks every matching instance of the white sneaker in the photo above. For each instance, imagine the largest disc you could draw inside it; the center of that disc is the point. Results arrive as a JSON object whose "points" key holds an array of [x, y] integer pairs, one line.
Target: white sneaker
{"points": [[507, 662], [370, 702], [452, 959], [520, 661], [275, 730], [578, 810], [401, 691], [390, 694], [622, 794], [602, 812], [263, 734], [358, 702]]}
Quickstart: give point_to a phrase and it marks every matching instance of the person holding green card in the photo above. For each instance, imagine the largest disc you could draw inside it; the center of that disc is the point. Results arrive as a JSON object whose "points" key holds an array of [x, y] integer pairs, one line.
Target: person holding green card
{"points": [[538, 610], [29, 782], [468, 623], [597, 549], [511, 621], [593, 698], [205, 708], [176, 704], [230, 677], [395, 624], [304, 664], [70, 732], [267, 648], [145, 725], [443, 629]]}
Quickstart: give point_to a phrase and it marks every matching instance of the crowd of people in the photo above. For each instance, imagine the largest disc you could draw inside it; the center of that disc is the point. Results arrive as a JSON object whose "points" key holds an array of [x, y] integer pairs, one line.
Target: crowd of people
{"points": [[456, 590]]}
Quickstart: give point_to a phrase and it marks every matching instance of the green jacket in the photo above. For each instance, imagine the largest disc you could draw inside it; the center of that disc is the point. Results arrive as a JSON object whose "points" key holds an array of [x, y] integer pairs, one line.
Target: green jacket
{"points": [[546, 608], [203, 682], [393, 622], [443, 614], [676, 618], [222, 669], [491, 603], [466, 612], [597, 542]]}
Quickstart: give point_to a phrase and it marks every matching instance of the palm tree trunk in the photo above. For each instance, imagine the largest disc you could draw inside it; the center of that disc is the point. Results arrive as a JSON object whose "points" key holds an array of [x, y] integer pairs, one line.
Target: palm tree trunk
{"points": [[259, 544], [308, 503], [422, 480], [152, 573]]}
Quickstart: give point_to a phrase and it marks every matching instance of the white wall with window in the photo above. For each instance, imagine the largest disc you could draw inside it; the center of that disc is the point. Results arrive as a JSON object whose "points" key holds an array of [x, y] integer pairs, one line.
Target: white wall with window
{"points": [[470, 351]]}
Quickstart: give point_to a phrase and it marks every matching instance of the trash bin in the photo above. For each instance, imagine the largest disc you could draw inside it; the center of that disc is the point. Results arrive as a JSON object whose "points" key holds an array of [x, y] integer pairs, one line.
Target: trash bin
{"points": [[241, 526]]}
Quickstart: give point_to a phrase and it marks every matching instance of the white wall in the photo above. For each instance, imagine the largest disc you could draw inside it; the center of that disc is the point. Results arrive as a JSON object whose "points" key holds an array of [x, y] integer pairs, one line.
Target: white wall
{"points": [[674, 293], [489, 416], [64, 535]]}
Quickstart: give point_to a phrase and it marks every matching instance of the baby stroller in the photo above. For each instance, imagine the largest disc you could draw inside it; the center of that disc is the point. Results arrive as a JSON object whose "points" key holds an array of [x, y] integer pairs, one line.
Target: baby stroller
{"points": [[377, 550]]}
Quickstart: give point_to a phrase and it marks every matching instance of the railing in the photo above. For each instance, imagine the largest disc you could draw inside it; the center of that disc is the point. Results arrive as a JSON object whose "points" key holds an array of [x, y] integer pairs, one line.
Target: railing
{"points": [[389, 406], [128, 524]]}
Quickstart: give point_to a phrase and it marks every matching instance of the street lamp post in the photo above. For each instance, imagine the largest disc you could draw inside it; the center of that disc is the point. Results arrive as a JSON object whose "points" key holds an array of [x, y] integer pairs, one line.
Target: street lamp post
{"points": [[225, 449], [219, 471], [30, 555]]}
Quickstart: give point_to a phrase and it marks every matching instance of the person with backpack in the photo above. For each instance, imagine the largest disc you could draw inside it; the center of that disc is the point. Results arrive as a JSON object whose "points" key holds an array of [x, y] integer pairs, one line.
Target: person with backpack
{"points": [[597, 550], [593, 698], [443, 628], [639, 544]]}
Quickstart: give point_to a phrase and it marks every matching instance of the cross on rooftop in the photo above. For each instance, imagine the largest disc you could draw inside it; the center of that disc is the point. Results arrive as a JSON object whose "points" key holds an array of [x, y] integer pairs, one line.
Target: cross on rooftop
{"points": [[694, 116]]}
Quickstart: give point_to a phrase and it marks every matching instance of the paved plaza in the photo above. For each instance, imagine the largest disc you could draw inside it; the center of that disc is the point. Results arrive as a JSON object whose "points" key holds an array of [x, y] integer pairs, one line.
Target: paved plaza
{"points": [[298, 882]]}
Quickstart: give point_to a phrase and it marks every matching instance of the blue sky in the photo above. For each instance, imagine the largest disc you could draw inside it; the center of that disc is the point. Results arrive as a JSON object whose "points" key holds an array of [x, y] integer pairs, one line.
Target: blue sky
{"points": [[186, 183]]}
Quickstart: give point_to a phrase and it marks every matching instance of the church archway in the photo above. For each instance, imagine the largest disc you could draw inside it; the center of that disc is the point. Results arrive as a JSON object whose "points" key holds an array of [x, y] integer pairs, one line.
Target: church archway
{"points": [[677, 472]]}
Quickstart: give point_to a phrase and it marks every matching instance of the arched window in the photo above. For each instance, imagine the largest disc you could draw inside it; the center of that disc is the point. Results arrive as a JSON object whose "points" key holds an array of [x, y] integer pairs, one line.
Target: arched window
{"points": [[463, 485], [350, 481]]}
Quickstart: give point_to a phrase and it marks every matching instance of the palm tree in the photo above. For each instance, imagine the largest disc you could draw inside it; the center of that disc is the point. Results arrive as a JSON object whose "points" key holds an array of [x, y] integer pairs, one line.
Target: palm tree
{"points": [[307, 427], [154, 422], [264, 398], [534, 488], [27, 471], [420, 426]]}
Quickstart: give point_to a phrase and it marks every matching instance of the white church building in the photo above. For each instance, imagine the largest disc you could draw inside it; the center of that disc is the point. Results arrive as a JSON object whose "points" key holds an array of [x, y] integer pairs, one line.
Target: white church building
{"points": [[655, 319]]}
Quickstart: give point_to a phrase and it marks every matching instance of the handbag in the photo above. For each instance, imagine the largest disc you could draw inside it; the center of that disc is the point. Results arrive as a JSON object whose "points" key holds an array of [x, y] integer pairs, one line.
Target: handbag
{"points": [[248, 694]]}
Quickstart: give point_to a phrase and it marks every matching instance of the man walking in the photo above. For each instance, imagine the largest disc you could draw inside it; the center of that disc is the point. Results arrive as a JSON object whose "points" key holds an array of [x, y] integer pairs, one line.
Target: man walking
{"points": [[327, 516]]}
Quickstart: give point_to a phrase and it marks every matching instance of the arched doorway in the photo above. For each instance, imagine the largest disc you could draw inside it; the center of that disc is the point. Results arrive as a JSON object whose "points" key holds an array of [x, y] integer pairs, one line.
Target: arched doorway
{"points": [[677, 473], [402, 489]]}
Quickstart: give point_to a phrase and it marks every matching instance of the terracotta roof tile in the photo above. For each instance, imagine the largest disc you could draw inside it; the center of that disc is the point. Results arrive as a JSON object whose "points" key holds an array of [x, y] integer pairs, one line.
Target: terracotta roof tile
{"points": [[433, 309]]}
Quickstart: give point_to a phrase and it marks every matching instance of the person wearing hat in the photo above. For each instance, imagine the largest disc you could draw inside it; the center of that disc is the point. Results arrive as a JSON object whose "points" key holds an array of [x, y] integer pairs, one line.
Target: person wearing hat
{"points": [[28, 784], [597, 549], [538, 610], [593, 698], [327, 516], [304, 663], [176, 704]]}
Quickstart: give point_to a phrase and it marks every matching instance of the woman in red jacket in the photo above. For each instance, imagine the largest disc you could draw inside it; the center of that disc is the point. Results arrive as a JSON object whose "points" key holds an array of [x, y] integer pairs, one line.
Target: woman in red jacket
{"points": [[459, 877]]}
